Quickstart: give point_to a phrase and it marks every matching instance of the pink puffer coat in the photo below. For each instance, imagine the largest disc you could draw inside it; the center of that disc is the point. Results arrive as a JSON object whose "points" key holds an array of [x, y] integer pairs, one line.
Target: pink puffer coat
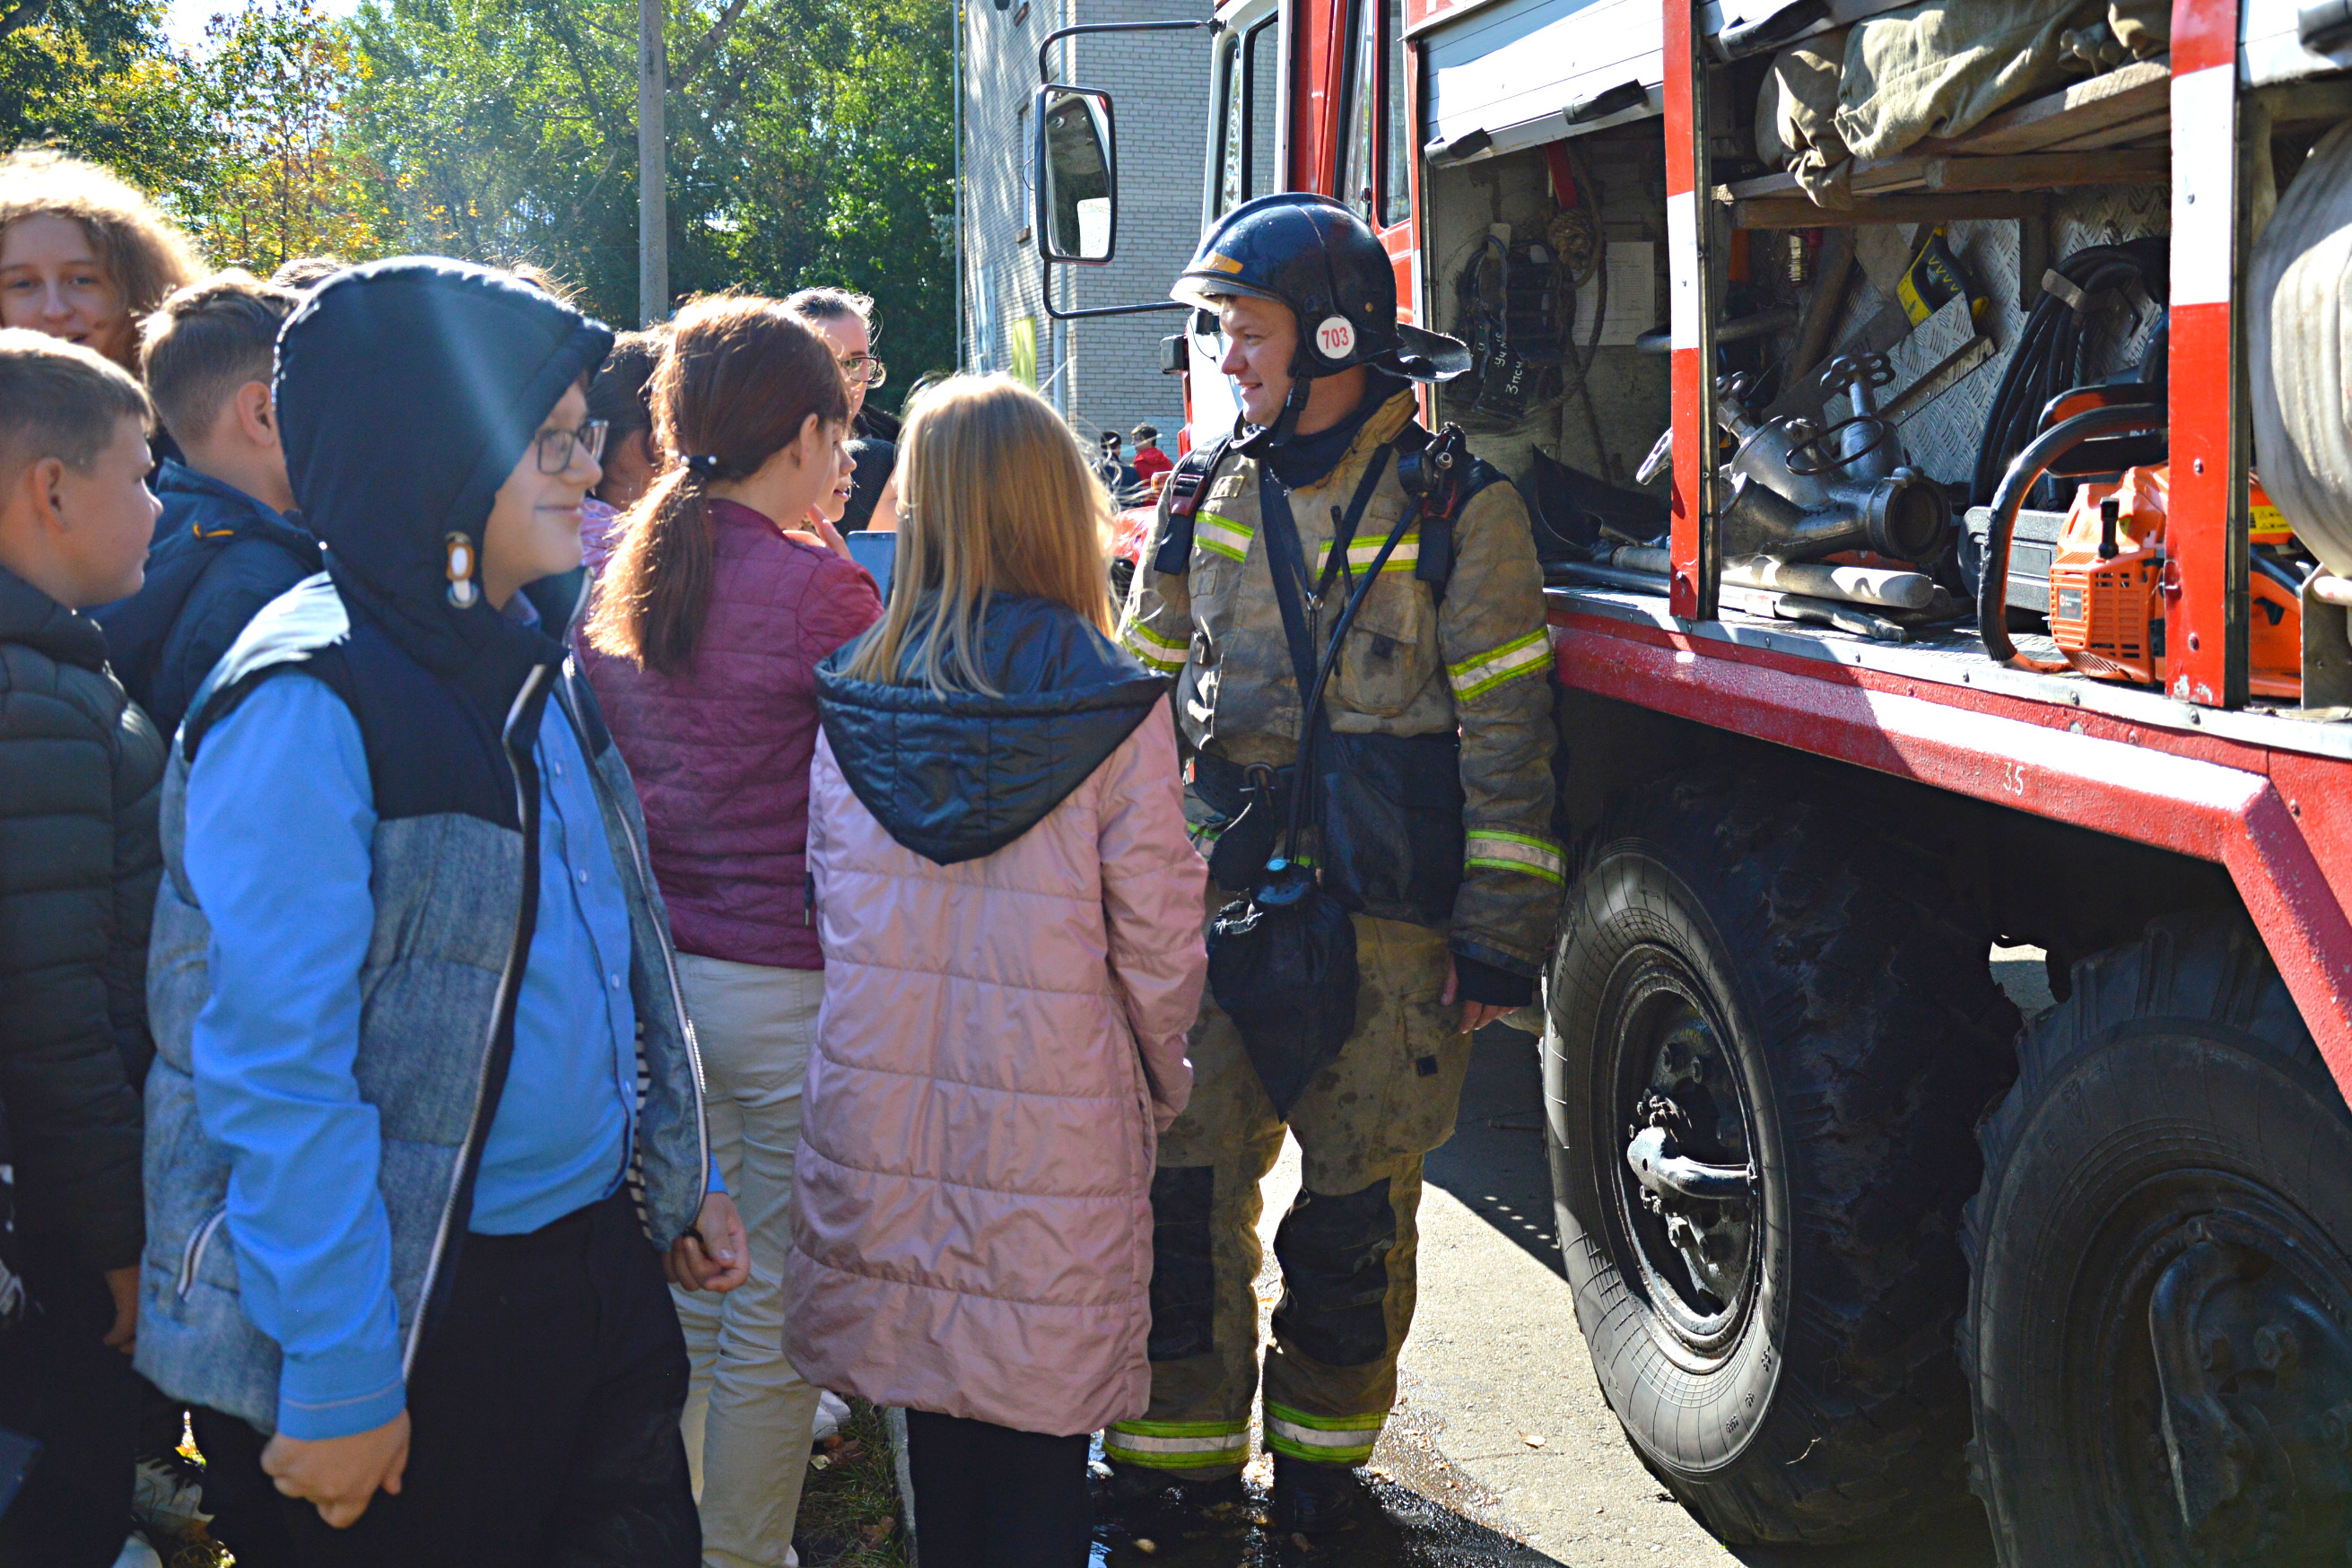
{"points": [[1003, 1037]]}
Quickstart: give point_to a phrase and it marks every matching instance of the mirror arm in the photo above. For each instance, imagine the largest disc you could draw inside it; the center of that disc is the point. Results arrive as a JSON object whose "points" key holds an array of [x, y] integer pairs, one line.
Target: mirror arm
{"points": [[1045, 74], [1061, 315]]}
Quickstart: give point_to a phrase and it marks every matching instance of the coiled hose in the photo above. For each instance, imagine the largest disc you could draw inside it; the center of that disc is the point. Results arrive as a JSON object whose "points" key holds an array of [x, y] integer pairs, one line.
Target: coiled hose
{"points": [[2049, 356]]}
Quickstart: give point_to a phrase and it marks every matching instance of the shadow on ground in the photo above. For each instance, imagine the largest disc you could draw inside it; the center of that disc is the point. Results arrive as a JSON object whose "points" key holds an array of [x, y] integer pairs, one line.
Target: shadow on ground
{"points": [[1403, 1529]]}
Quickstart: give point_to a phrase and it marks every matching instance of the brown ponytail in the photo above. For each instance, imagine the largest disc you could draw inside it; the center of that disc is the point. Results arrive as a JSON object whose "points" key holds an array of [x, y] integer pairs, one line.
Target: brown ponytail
{"points": [[739, 379]]}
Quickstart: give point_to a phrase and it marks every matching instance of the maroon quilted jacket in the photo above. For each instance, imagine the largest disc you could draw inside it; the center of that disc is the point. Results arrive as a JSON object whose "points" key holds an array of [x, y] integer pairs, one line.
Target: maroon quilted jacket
{"points": [[721, 752]]}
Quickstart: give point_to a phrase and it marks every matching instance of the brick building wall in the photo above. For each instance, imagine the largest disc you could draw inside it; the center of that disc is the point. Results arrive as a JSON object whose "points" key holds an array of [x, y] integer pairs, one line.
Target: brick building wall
{"points": [[1102, 375]]}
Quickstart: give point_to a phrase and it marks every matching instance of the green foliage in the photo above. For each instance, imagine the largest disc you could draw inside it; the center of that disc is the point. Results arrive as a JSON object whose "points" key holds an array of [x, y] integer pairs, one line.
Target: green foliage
{"points": [[93, 76], [273, 84], [809, 143]]}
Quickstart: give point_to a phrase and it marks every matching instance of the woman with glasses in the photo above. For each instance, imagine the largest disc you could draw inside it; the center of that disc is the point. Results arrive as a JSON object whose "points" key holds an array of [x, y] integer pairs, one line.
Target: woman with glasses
{"points": [[708, 623], [846, 321]]}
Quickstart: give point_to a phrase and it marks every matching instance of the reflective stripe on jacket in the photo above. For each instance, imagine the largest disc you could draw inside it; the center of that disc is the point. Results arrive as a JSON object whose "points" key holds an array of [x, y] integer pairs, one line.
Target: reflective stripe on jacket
{"points": [[1410, 666]]}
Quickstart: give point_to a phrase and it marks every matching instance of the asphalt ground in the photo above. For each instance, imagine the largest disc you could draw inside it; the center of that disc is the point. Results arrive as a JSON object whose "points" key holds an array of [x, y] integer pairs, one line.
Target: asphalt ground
{"points": [[1501, 1452]]}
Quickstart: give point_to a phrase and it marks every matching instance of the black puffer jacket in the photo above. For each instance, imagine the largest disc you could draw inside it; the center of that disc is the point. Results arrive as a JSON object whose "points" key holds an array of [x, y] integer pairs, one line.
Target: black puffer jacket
{"points": [[219, 557], [80, 769]]}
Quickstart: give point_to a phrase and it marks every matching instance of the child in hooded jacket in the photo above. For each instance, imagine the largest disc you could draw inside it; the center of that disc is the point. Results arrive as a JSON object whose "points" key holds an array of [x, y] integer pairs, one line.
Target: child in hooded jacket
{"points": [[417, 1014], [1010, 914]]}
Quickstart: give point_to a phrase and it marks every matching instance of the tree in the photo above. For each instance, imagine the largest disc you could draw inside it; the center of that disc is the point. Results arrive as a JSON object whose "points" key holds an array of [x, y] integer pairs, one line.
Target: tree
{"points": [[809, 142], [96, 77], [284, 178]]}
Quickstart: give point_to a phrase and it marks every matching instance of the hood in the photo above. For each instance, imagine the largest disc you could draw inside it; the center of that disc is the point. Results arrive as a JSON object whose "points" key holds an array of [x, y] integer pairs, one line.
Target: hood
{"points": [[957, 777], [408, 390], [33, 620]]}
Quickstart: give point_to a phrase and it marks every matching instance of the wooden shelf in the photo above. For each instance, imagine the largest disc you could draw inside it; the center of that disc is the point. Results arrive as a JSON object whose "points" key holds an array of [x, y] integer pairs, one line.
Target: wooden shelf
{"points": [[2111, 129]]}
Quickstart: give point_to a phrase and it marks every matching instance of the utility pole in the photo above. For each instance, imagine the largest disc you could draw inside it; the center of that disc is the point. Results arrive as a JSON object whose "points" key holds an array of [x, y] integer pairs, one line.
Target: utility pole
{"points": [[653, 194]]}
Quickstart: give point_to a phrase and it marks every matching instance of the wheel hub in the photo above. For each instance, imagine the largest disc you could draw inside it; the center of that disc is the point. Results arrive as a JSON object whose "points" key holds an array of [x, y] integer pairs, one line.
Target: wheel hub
{"points": [[1687, 1182], [2223, 1381], [2254, 1379]]}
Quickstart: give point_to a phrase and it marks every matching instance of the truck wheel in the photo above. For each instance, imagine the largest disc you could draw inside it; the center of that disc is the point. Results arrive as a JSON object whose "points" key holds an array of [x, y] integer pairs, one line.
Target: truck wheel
{"points": [[2159, 1328], [1772, 1029]]}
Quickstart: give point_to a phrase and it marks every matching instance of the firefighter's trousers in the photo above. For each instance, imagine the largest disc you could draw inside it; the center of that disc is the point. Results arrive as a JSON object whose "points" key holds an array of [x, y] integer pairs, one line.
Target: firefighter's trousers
{"points": [[1346, 1248]]}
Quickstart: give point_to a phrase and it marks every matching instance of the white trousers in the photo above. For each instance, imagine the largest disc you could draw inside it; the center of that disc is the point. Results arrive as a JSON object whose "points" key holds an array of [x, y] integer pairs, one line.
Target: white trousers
{"points": [[748, 1412]]}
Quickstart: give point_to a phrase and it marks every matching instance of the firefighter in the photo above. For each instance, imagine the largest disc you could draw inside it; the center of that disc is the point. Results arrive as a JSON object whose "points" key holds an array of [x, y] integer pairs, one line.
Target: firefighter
{"points": [[1449, 641]]}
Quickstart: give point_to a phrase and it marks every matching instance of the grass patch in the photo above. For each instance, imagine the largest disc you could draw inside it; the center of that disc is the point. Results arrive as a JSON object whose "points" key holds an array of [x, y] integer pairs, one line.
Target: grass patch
{"points": [[849, 1510]]}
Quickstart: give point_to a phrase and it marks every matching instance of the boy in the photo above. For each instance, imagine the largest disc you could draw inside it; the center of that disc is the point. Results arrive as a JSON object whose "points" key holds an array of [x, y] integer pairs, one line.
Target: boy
{"points": [[227, 544], [1149, 460], [78, 771], [408, 946]]}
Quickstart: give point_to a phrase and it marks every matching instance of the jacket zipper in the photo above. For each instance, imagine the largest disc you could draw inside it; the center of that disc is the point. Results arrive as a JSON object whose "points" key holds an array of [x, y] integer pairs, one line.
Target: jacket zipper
{"points": [[527, 813], [192, 1257], [638, 866]]}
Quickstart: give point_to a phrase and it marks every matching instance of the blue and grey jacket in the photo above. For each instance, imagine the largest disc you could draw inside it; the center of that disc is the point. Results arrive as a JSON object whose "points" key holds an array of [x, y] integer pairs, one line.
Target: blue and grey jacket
{"points": [[447, 698]]}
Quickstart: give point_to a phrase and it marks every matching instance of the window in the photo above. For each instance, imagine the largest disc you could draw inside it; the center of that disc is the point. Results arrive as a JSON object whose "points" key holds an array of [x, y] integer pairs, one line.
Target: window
{"points": [[1358, 129], [1396, 164], [1264, 57], [1375, 137], [1247, 128]]}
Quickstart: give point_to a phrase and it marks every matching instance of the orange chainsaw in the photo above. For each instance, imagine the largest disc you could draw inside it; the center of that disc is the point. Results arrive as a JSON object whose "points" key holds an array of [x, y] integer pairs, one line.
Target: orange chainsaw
{"points": [[2110, 583]]}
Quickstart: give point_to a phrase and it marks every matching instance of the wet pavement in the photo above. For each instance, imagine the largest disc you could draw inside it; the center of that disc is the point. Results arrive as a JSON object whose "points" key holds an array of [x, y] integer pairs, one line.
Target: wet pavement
{"points": [[1501, 1452]]}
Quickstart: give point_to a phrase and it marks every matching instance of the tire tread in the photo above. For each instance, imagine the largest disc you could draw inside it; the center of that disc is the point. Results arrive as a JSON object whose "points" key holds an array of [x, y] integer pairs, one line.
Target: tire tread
{"points": [[1887, 1035]]}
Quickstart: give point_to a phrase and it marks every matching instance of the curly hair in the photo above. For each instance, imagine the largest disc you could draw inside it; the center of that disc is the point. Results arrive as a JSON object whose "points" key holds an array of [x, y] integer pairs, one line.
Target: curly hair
{"points": [[148, 254]]}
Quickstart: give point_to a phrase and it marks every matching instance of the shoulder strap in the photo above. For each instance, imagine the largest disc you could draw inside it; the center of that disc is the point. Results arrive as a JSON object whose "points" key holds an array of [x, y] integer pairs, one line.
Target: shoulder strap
{"points": [[1188, 487], [1287, 560], [1343, 531]]}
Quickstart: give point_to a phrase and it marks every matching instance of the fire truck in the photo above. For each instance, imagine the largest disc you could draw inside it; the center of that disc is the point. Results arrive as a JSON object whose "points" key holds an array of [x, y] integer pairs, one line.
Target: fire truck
{"points": [[1932, 418]]}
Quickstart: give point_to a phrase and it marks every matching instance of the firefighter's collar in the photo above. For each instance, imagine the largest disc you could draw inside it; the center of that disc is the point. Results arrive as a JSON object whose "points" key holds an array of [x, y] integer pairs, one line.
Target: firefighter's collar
{"points": [[1305, 461]]}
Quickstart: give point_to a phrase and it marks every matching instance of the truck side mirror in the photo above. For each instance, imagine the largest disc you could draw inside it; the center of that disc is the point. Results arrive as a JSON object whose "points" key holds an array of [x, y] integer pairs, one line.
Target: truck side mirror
{"points": [[1078, 175]]}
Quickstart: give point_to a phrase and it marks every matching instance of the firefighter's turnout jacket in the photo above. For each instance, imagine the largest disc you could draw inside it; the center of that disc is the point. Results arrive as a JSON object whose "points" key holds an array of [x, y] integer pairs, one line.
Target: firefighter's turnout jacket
{"points": [[1411, 664], [1414, 663]]}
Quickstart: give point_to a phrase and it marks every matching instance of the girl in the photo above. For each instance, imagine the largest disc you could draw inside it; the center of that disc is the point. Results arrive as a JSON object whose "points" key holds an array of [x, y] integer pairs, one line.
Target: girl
{"points": [[621, 393], [83, 257], [1010, 916], [703, 646]]}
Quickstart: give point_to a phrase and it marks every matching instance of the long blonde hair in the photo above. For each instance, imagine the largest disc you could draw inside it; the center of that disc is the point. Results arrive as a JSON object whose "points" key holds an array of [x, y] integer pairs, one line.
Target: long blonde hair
{"points": [[998, 500]]}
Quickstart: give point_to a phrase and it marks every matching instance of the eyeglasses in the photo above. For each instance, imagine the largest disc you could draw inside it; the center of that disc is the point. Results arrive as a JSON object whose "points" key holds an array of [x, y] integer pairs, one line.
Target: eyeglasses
{"points": [[555, 446], [865, 368]]}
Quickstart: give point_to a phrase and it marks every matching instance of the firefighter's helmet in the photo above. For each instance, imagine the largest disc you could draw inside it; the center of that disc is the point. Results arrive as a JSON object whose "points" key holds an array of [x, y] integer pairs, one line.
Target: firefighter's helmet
{"points": [[1313, 255]]}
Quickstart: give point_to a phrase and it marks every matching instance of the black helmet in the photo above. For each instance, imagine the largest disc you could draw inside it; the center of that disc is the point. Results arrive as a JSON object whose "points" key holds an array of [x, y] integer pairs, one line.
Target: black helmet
{"points": [[1313, 255]]}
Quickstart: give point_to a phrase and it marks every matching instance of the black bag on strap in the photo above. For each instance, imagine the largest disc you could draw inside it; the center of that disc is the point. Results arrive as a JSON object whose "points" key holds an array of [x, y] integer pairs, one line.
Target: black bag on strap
{"points": [[1282, 960]]}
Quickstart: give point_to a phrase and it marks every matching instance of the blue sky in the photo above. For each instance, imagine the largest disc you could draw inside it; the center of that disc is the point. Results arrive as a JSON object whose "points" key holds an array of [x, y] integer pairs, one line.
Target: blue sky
{"points": [[186, 19]]}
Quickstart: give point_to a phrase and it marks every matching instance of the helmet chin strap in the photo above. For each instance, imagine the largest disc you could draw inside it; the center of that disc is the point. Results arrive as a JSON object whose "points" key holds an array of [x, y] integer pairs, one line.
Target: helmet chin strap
{"points": [[1266, 437]]}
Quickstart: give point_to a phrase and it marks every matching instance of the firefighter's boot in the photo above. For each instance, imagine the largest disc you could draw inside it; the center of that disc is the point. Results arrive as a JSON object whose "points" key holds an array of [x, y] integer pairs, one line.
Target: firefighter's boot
{"points": [[1312, 1499], [1137, 1495]]}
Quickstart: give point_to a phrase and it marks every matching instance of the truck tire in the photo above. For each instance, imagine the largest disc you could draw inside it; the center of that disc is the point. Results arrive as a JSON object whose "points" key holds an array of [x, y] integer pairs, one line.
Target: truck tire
{"points": [[2159, 1327], [1786, 991]]}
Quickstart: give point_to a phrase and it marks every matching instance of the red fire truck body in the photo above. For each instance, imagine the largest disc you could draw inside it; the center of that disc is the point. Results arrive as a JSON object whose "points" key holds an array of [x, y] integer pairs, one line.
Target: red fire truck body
{"points": [[1795, 839]]}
